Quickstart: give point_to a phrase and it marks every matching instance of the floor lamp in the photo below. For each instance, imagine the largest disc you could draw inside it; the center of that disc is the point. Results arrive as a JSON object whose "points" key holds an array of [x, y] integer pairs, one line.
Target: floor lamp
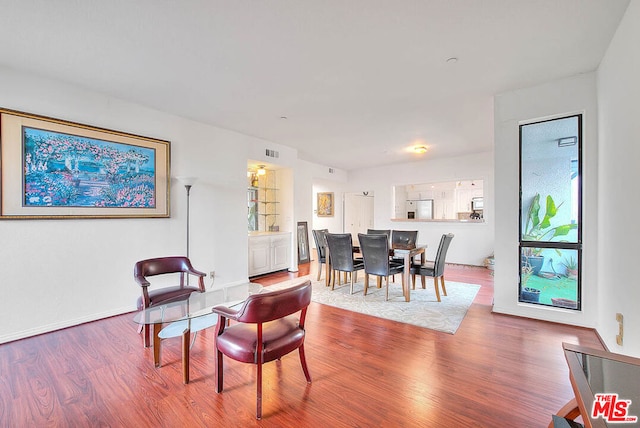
{"points": [[188, 182]]}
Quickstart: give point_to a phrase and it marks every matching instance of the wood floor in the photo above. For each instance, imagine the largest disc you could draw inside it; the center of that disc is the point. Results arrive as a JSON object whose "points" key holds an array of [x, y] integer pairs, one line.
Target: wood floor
{"points": [[496, 371]]}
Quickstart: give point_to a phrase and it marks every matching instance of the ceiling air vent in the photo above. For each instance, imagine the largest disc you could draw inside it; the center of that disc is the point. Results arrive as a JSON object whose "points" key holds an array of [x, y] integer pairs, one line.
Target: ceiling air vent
{"points": [[272, 153]]}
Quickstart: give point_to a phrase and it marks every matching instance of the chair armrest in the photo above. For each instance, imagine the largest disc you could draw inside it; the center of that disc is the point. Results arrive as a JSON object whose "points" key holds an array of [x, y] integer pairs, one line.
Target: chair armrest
{"points": [[142, 281], [197, 273], [226, 312]]}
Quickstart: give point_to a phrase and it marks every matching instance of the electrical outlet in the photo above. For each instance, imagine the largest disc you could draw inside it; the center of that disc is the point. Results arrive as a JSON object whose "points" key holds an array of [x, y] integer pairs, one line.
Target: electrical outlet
{"points": [[620, 334], [212, 274]]}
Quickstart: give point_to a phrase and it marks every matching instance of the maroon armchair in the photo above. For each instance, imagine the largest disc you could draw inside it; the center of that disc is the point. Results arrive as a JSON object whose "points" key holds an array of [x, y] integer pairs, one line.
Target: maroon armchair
{"points": [[164, 266], [264, 331]]}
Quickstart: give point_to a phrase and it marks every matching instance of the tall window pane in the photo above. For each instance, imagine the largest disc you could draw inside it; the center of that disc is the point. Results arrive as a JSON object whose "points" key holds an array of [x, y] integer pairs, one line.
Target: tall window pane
{"points": [[550, 212]]}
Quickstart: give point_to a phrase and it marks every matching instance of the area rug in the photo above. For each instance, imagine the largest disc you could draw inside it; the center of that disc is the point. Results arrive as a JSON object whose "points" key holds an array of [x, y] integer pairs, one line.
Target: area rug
{"points": [[423, 310]]}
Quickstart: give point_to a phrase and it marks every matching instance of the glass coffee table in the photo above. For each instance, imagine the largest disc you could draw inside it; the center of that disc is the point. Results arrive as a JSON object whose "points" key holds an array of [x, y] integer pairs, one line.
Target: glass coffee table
{"points": [[183, 316]]}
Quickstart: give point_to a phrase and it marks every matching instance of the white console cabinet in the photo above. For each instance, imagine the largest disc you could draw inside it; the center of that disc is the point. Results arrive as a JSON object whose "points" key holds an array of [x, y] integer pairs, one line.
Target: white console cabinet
{"points": [[269, 252]]}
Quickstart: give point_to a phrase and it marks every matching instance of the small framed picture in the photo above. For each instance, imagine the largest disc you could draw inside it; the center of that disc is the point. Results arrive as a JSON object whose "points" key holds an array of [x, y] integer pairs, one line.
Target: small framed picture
{"points": [[303, 243], [325, 204]]}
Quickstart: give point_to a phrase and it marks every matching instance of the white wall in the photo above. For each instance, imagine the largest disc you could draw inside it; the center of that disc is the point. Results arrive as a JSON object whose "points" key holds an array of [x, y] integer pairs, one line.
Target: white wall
{"points": [[57, 273], [619, 153], [472, 242], [572, 95]]}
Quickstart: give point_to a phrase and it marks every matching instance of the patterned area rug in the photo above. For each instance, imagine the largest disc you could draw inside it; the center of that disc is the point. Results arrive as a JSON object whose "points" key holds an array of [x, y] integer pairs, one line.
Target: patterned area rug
{"points": [[423, 310]]}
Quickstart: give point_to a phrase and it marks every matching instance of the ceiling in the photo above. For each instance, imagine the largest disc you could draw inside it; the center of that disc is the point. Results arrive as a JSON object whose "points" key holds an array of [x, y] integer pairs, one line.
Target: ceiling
{"points": [[349, 84]]}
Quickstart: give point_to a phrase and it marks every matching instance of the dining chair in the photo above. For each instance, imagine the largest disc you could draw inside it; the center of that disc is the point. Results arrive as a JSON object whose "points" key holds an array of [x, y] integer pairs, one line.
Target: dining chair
{"points": [[404, 238], [321, 243], [379, 232], [375, 252], [341, 255], [169, 267], [434, 269], [263, 331]]}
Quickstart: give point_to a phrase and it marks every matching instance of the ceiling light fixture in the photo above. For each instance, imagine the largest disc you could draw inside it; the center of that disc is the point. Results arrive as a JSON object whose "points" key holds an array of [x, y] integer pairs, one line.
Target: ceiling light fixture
{"points": [[420, 149], [452, 60], [261, 170]]}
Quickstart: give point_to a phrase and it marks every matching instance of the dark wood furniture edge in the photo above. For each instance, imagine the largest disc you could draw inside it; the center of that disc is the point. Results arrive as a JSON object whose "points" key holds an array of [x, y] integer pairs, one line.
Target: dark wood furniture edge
{"points": [[583, 395]]}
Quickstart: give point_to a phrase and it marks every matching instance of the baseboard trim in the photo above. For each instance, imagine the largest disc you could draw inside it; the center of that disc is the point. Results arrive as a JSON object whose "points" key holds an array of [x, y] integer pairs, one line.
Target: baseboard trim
{"points": [[63, 324]]}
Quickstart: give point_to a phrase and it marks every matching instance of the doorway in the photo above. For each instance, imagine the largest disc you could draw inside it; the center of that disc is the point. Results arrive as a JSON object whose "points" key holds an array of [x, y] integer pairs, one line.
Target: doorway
{"points": [[358, 213]]}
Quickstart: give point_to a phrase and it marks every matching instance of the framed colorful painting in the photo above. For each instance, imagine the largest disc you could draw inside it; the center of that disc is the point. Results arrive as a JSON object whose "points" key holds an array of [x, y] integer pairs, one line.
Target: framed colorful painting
{"points": [[325, 204], [51, 168]]}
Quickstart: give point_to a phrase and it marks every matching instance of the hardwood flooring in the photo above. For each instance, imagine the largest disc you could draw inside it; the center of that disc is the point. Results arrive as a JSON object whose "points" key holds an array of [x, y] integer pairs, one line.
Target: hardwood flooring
{"points": [[496, 371]]}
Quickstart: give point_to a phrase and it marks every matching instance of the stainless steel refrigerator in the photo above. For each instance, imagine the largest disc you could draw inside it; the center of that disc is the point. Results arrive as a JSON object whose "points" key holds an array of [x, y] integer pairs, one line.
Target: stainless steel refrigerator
{"points": [[421, 209]]}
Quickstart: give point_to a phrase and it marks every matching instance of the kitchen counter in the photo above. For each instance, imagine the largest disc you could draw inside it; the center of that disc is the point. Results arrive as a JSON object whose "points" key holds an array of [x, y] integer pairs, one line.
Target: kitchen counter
{"points": [[445, 220], [266, 233]]}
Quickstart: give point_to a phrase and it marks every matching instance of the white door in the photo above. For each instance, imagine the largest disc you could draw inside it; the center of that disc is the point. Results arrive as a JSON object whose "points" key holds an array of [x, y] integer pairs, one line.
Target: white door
{"points": [[358, 214]]}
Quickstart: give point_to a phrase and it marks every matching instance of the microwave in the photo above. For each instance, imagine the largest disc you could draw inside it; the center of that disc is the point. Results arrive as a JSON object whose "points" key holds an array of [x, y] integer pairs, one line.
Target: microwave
{"points": [[477, 204]]}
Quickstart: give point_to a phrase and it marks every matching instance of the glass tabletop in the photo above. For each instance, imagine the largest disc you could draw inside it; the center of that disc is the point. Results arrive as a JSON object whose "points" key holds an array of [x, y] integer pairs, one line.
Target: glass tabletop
{"points": [[197, 304]]}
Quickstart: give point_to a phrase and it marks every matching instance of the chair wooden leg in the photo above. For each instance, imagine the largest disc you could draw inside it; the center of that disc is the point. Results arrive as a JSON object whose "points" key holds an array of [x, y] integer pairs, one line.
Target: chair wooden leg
{"points": [[259, 392], [303, 361], [351, 288], [379, 281], [386, 296], [319, 271], [435, 285], [424, 283], [327, 274], [444, 289], [366, 283], [219, 372], [413, 280]]}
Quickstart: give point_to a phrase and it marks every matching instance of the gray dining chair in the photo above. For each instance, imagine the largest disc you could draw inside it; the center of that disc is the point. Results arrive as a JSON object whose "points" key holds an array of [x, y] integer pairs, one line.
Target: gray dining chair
{"points": [[341, 256], [434, 269], [375, 253], [321, 243]]}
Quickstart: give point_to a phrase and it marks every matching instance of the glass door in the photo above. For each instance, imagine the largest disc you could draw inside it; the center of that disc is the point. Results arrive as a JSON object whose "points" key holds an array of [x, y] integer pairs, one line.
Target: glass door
{"points": [[551, 212]]}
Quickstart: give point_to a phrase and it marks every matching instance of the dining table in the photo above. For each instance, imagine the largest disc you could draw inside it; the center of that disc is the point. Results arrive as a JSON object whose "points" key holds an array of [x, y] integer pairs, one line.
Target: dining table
{"points": [[408, 254]]}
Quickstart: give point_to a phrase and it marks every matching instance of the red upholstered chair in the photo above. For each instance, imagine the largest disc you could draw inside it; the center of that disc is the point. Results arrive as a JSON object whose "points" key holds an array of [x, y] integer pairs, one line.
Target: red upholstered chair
{"points": [[164, 266], [264, 331]]}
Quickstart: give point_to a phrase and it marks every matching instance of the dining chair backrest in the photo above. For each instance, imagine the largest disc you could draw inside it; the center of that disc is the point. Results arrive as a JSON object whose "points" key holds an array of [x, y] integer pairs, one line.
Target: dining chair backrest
{"points": [[404, 238], [321, 242], [438, 263], [380, 232], [375, 253], [340, 251]]}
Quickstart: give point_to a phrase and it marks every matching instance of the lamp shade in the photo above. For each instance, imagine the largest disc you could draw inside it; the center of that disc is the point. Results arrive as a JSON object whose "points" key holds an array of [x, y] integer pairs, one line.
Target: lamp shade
{"points": [[187, 181]]}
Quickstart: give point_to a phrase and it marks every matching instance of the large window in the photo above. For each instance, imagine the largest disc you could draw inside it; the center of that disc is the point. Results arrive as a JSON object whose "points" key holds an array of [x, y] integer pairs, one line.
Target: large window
{"points": [[550, 212]]}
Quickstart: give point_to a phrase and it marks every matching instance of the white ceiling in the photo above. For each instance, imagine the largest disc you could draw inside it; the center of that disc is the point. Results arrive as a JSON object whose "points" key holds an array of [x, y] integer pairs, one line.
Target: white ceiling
{"points": [[359, 81]]}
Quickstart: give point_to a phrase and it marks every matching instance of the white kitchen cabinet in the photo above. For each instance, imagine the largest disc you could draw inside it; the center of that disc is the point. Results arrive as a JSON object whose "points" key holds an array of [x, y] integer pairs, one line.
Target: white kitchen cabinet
{"points": [[269, 252]]}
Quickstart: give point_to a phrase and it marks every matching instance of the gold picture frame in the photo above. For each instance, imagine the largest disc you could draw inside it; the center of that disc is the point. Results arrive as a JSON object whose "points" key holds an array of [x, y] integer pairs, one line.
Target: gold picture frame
{"points": [[325, 204], [55, 169]]}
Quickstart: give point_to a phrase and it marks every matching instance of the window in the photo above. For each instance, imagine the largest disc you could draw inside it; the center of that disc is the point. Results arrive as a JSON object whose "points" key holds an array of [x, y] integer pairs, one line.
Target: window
{"points": [[550, 212]]}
